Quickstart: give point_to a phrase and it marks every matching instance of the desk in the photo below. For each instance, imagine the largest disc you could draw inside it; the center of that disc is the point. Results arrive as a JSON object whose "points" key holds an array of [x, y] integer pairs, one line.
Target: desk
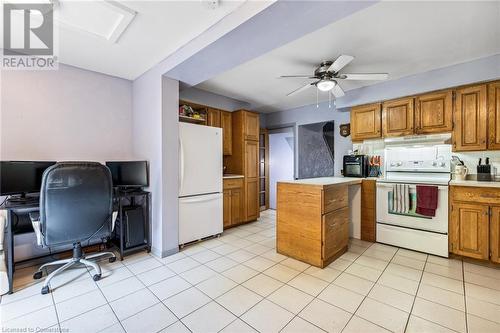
{"points": [[119, 199]]}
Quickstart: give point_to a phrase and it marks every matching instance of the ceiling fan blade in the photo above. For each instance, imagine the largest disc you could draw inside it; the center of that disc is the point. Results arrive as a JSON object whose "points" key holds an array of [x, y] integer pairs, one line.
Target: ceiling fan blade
{"points": [[297, 77], [337, 91], [309, 85], [340, 63], [367, 76]]}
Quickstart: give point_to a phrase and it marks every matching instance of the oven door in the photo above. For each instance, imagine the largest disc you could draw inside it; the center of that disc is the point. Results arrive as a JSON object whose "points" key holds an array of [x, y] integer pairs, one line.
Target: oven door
{"points": [[352, 169], [438, 223]]}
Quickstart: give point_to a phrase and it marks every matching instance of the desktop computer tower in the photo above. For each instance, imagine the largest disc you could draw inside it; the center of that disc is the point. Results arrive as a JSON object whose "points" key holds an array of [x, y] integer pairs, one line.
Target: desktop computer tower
{"points": [[134, 231]]}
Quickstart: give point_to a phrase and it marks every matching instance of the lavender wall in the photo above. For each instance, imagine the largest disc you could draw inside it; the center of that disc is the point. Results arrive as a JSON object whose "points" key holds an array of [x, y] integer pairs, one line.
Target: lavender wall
{"points": [[67, 114], [200, 96], [311, 114], [155, 131]]}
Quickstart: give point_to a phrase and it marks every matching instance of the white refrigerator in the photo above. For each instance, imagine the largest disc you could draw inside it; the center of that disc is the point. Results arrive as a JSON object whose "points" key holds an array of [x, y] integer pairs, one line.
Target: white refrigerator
{"points": [[200, 182]]}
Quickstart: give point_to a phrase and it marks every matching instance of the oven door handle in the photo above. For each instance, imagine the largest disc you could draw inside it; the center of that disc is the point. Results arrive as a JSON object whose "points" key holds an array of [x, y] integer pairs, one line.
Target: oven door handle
{"points": [[411, 186]]}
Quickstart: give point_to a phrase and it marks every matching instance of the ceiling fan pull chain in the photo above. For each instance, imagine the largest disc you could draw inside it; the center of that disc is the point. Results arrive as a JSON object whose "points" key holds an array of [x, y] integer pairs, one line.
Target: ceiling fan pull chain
{"points": [[330, 99], [317, 99]]}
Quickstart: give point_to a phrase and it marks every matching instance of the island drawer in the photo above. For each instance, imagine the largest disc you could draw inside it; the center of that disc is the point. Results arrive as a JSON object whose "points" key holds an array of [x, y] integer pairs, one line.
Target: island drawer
{"points": [[335, 232], [335, 197], [484, 195]]}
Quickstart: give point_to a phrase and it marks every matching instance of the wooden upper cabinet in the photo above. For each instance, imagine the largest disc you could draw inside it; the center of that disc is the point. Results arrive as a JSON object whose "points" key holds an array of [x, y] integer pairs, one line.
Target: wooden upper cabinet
{"points": [[213, 117], [227, 132], [470, 115], [251, 159], [251, 126], [495, 234], [397, 117], [469, 230], [434, 112], [366, 122], [494, 115]]}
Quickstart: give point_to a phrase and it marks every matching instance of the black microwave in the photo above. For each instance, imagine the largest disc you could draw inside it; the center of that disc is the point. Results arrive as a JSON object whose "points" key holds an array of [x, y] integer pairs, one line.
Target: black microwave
{"points": [[355, 166]]}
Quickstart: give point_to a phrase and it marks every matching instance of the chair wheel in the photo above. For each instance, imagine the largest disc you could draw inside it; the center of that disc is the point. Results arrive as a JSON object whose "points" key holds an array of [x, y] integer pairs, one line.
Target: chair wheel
{"points": [[96, 277], [45, 290], [37, 275], [112, 259]]}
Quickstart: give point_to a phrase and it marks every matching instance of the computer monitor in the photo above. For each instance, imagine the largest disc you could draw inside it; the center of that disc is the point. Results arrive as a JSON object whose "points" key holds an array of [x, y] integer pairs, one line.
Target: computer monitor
{"points": [[21, 177], [129, 173]]}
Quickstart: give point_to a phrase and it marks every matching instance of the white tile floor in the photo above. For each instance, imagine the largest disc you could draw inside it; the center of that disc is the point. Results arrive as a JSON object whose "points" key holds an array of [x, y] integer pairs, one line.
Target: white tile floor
{"points": [[238, 283]]}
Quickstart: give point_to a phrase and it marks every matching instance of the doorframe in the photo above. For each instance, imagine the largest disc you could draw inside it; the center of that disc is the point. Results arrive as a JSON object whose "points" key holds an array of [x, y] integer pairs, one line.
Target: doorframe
{"points": [[270, 131]]}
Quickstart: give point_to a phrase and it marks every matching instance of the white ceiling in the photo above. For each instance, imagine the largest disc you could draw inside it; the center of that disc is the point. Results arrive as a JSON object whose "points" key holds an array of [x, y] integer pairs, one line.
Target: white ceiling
{"points": [[401, 38], [158, 29]]}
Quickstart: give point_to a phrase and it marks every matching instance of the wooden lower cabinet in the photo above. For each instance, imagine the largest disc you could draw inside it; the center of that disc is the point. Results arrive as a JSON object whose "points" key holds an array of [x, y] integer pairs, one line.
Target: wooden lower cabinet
{"points": [[233, 202], [312, 223], [368, 210], [474, 229], [470, 230], [495, 234]]}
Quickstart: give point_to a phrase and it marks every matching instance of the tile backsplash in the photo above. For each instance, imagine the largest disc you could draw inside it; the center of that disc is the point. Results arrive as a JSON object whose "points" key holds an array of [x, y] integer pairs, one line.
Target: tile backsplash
{"points": [[470, 159]]}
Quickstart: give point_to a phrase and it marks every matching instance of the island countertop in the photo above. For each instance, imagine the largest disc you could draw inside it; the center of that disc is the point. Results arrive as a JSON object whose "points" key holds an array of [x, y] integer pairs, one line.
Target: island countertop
{"points": [[325, 181]]}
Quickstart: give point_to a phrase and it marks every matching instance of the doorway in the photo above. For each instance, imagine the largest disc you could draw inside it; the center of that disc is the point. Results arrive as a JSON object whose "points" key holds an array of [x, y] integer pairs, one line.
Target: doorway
{"points": [[281, 159]]}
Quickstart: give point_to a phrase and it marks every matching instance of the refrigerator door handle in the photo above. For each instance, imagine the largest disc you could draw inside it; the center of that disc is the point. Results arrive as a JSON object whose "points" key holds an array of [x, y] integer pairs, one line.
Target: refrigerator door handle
{"points": [[201, 198], [181, 167]]}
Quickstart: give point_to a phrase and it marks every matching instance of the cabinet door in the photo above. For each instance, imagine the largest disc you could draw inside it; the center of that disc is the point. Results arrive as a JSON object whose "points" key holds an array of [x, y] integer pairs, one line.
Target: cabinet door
{"points": [[237, 205], [469, 230], [251, 159], [397, 117], [227, 132], [494, 115], [227, 208], [495, 234], [366, 122], [252, 199], [251, 126], [433, 112], [213, 117], [470, 119], [368, 210], [335, 232]]}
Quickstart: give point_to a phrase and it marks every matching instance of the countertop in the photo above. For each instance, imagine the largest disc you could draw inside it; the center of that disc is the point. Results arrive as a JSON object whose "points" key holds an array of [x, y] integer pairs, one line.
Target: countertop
{"points": [[474, 183], [325, 181], [231, 176]]}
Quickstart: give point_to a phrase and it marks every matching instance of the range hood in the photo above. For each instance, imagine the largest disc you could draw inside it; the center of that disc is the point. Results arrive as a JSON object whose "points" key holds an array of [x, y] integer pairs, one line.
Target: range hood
{"points": [[431, 139]]}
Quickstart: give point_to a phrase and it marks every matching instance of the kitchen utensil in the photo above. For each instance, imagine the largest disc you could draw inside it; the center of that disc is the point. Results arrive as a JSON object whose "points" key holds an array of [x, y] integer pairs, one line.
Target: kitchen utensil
{"points": [[461, 172]]}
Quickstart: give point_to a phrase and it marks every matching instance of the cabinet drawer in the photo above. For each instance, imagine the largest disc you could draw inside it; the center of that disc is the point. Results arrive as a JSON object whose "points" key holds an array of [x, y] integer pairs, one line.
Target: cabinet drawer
{"points": [[233, 183], [483, 195], [335, 232], [335, 197]]}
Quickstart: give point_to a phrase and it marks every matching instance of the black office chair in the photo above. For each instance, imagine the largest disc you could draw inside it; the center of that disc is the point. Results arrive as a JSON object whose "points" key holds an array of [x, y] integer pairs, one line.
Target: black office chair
{"points": [[76, 205]]}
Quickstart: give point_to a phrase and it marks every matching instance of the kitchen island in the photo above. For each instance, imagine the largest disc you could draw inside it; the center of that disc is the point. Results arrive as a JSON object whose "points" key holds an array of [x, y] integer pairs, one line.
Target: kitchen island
{"points": [[313, 218]]}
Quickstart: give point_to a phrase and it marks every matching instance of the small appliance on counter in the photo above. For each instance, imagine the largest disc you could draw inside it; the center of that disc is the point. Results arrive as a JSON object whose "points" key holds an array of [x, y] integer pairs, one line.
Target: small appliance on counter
{"points": [[355, 166]]}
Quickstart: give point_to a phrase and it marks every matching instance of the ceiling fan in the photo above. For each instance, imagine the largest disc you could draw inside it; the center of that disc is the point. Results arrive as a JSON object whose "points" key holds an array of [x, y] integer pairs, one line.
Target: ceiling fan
{"points": [[327, 74]]}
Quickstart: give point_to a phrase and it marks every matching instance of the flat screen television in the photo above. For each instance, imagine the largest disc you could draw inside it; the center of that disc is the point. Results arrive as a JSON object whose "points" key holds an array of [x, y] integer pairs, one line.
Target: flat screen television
{"points": [[128, 174], [21, 177]]}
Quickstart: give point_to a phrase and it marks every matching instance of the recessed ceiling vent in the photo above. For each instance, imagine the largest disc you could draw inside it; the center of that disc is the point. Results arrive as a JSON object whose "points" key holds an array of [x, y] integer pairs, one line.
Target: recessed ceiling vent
{"points": [[106, 19]]}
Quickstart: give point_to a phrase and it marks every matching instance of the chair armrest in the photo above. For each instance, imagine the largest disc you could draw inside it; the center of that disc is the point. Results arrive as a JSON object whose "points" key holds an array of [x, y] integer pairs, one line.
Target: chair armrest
{"points": [[37, 226], [3, 223], [114, 215]]}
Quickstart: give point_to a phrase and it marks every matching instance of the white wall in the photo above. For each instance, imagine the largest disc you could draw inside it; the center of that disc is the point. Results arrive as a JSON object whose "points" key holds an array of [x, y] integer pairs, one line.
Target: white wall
{"points": [[67, 114], [281, 159]]}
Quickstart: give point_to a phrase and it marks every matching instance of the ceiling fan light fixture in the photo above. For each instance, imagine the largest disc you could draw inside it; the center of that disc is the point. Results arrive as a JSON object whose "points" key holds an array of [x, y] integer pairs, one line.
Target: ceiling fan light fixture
{"points": [[326, 85]]}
